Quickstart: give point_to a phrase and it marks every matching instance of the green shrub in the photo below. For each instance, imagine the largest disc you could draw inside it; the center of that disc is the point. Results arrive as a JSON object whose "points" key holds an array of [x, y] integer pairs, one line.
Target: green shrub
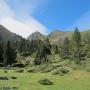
{"points": [[32, 69], [20, 70], [64, 70], [49, 68], [6, 71], [38, 68], [1, 65], [13, 77], [88, 55], [41, 67], [14, 68], [60, 71], [88, 69], [57, 72], [46, 82], [19, 65]]}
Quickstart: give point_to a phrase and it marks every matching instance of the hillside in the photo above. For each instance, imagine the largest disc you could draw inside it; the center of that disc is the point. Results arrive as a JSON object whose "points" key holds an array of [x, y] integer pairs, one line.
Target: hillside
{"points": [[54, 37], [36, 62], [36, 35], [57, 35], [6, 35]]}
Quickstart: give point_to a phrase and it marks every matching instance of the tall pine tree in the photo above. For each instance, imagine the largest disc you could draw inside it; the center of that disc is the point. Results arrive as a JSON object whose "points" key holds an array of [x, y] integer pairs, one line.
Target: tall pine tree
{"points": [[10, 54], [65, 49], [1, 53], [77, 45]]}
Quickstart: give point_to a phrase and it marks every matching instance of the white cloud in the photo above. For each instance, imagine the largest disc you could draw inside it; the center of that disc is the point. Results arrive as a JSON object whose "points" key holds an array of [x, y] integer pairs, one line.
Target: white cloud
{"points": [[28, 6], [5, 10], [24, 29], [24, 24]]}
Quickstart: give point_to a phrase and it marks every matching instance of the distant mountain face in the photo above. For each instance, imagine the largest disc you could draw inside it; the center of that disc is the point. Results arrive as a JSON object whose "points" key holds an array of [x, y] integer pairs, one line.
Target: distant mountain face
{"points": [[36, 35], [57, 35], [54, 37], [6, 35]]}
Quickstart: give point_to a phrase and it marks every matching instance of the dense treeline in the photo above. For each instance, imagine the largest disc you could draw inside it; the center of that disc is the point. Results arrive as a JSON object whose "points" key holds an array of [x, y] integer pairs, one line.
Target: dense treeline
{"points": [[8, 53], [76, 48]]}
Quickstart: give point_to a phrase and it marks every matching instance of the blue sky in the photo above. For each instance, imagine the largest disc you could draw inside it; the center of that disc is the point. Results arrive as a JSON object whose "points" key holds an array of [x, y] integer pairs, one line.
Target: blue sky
{"points": [[63, 14], [27, 16]]}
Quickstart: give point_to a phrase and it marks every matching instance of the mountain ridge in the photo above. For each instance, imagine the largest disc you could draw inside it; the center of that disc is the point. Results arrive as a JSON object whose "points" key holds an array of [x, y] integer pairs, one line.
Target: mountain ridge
{"points": [[53, 37], [6, 35]]}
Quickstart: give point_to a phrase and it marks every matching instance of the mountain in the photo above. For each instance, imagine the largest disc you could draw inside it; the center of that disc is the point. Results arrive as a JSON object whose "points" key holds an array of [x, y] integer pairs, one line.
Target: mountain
{"points": [[57, 35], [54, 37], [36, 35], [6, 35]]}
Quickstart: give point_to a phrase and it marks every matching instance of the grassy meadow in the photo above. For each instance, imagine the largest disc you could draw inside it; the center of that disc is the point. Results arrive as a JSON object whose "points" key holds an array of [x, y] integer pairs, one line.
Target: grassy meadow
{"points": [[75, 80]]}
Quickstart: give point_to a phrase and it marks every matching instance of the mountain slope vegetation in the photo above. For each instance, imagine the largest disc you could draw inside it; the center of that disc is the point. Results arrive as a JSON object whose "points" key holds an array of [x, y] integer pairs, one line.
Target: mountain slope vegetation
{"points": [[62, 58]]}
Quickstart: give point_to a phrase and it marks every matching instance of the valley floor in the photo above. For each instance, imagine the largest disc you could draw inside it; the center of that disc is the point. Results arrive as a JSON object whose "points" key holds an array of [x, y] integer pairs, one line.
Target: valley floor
{"points": [[75, 80]]}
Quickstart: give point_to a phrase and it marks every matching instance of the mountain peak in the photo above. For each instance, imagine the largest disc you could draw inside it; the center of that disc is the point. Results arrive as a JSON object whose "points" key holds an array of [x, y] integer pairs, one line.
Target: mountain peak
{"points": [[36, 35], [56, 35]]}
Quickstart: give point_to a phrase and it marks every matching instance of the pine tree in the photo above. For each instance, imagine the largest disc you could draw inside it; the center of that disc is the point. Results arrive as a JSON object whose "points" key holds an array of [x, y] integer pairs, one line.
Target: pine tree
{"points": [[47, 46], [1, 53], [10, 54], [55, 48], [87, 43], [87, 40], [65, 49], [21, 47], [77, 45], [41, 54]]}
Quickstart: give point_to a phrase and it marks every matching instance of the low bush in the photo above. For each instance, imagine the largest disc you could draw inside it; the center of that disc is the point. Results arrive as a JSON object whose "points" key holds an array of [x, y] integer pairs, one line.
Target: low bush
{"points": [[64, 70], [13, 77], [60, 71], [20, 70], [49, 68], [38, 68], [45, 82], [88, 69], [88, 55], [1, 65], [5, 71], [32, 69], [19, 65], [4, 78]]}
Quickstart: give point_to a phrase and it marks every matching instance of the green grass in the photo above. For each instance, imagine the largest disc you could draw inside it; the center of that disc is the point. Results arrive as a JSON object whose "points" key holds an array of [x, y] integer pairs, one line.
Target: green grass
{"points": [[75, 80]]}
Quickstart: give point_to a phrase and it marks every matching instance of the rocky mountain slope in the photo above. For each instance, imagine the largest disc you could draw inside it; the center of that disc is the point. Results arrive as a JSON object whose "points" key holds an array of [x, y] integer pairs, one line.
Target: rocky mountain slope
{"points": [[6, 35]]}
